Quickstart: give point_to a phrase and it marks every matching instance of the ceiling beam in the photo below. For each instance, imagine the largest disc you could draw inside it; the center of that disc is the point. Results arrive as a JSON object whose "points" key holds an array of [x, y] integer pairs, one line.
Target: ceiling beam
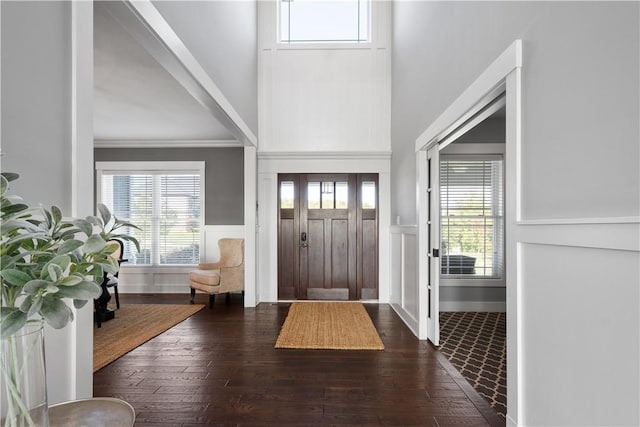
{"points": [[147, 26]]}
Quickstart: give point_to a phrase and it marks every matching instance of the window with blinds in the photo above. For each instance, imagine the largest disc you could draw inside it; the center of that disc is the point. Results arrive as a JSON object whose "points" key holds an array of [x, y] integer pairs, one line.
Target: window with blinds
{"points": [[472, 217], [166, 205]]}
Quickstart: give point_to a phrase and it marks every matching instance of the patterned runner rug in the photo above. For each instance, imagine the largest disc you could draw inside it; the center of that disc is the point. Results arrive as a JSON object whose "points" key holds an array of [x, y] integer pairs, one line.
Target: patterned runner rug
{"points": [[476, 344], [329, 325]]}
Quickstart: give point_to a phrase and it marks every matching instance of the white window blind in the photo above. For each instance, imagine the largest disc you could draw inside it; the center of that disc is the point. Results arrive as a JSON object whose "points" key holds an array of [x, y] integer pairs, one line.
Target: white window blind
{"points": [[166, 205], [472, 217]]}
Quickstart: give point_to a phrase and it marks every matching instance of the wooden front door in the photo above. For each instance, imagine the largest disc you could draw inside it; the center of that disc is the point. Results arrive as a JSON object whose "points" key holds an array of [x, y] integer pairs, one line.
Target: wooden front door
{"points": [[328, 236]]}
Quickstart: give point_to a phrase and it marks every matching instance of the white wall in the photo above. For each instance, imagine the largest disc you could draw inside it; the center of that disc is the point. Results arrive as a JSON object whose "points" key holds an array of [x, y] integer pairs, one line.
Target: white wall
{"points": [[47, 87], [579, 92], [324, 97], [574, 294], [221, 35]]}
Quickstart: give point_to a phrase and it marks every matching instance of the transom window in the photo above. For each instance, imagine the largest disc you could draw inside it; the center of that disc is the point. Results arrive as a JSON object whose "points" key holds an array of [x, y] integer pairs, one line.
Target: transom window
{"points": [[472, 217], [165, 200], [324, 21]]}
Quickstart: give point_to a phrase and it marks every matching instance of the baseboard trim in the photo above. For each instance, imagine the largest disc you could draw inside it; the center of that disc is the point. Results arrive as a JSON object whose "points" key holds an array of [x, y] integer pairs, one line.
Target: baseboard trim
{"points": [[491, 306], [406, 317], [141, 288]]}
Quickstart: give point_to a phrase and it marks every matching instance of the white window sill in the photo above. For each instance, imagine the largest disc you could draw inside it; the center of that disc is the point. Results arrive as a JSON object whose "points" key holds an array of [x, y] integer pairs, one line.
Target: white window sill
{"points": [[161, 269], [473, 282]]}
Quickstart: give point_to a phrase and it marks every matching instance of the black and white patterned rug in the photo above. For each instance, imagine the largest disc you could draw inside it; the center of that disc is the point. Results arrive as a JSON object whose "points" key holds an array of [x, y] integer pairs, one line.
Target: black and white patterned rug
{"points": [[476, 344]]}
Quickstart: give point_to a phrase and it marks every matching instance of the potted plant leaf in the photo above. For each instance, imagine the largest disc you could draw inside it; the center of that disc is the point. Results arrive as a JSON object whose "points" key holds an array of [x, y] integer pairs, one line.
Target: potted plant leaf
{"points": [[47, 262]]}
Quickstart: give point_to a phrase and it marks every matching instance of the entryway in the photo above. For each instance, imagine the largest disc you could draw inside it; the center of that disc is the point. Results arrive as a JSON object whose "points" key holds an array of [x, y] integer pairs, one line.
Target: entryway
{"points": [[328, 236]]}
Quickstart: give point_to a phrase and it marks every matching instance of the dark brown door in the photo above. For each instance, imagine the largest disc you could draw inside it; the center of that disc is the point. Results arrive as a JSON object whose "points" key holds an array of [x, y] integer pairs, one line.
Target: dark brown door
{"points": [[328, 236]]}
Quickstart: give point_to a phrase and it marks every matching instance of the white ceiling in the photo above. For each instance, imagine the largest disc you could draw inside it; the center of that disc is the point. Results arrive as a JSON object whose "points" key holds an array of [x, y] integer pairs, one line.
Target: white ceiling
{"points": [[136, 99]]}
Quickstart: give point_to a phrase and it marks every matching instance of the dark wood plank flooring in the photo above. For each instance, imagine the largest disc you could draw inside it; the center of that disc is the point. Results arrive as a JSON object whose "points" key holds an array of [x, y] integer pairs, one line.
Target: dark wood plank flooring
{"points": [[219, 367]]}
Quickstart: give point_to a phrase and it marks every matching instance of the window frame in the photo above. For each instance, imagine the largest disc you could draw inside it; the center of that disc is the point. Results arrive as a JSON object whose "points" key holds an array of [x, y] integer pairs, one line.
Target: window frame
{"points": [[467, 279], [325, 44], [155, 168]]}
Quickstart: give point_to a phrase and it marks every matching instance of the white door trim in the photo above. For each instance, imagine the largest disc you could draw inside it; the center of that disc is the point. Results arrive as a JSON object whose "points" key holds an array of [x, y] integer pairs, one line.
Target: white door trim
{"points": [[433, 224], [504, 74]]}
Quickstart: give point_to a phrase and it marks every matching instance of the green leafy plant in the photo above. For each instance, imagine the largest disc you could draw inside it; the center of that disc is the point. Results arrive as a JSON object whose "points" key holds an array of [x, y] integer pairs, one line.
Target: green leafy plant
{"points": [[46, 259]]}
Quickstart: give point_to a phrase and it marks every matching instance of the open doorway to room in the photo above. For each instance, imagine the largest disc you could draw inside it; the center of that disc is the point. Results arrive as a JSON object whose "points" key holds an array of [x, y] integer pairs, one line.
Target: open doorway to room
{"points": [[498, 86], [472, 293], [328, 236]]}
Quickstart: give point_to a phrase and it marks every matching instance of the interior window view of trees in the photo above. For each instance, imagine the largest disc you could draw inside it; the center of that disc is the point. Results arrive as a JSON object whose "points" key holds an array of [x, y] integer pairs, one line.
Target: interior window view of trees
{"points": [[472, 217], [166, 207]]}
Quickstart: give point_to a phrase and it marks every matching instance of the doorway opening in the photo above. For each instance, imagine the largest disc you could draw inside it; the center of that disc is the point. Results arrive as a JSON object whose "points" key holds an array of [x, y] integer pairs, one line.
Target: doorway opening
{"points": [[472, 295], [503, 76], [328, 236]]}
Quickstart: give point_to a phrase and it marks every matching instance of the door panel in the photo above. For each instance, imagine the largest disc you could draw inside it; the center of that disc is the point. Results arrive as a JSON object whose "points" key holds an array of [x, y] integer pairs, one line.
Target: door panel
{"points": [[339, 255], [330, 233], [433, 227], [285, 267], [367, 228], [288, 226], [315, 253], [329, 236]]}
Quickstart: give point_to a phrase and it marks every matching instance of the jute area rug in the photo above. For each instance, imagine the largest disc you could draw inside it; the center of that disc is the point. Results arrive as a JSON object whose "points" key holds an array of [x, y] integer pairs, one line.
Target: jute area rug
{"points": [[329, 325], [134, 325]]}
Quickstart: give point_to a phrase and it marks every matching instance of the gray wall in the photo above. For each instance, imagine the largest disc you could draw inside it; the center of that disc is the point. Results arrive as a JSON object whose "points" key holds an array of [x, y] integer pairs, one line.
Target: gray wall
{"points": [[222, 36], [580, 88], [490, 131], [224, 176], [36, 100]]}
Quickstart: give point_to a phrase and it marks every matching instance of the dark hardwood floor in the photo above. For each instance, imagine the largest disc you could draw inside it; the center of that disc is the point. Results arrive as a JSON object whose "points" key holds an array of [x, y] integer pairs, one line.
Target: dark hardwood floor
{"points": [[219, 367]]}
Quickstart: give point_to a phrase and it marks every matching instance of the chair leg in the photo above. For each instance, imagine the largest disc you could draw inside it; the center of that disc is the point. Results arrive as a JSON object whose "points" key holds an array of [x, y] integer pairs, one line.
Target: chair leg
{"points": [[96, 314], [227, 299], [193, 295], [115, 290], [212, 299]]}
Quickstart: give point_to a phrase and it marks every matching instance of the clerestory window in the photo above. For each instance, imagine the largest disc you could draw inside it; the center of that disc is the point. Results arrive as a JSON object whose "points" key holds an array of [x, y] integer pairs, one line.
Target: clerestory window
{"points": [[324, 21]]}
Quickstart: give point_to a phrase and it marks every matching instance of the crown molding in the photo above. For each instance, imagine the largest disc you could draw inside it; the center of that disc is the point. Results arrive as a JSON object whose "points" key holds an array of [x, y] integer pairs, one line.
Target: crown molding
{"points": [[170, 143], [314, 155]]}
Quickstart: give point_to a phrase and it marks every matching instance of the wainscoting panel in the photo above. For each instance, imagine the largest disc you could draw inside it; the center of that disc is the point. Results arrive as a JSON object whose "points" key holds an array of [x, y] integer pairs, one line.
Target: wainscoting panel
{"points": [[210, 236], [404, 274], [174, 279], [577, 296]]}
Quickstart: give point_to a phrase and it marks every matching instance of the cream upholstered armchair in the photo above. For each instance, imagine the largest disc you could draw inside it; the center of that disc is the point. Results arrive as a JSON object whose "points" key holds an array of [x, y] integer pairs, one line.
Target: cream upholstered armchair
{"points": [[222, 277]]}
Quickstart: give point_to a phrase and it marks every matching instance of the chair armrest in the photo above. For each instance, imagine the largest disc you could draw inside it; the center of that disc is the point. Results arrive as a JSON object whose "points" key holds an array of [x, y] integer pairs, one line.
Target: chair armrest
{"points": [[209, 266]]}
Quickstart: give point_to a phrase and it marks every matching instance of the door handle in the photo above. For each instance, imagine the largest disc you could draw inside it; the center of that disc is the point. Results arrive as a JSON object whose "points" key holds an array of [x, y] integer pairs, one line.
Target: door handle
{"points": [[304, 245]]}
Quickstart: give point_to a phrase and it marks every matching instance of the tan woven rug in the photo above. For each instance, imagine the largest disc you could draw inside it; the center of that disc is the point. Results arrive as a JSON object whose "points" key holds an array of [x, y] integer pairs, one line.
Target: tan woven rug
{"points": [[329, 325], [134, 325]]}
